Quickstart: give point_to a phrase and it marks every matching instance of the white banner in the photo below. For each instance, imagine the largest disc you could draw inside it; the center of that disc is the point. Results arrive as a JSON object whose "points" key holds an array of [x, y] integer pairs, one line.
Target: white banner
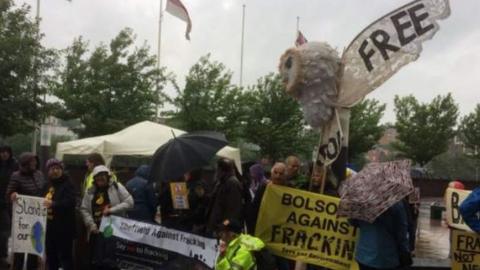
{"points": [[29, 225], [186, 244], [334, 137], [453, 200], [387, 45]]}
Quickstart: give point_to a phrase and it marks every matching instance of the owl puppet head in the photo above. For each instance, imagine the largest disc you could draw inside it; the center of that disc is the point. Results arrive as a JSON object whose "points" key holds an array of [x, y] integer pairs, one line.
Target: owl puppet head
{"points": [[311, 74]]}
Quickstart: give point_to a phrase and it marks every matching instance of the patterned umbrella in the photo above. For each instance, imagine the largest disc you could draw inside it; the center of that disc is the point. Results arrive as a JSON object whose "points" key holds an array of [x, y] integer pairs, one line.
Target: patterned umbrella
{"points": [[373, 190]]}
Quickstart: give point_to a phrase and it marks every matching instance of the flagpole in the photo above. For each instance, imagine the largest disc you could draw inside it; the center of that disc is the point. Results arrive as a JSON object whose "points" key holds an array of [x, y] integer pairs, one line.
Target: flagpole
{"points": [[35, 131], [241, 50], [158, 56], [298, 23]]}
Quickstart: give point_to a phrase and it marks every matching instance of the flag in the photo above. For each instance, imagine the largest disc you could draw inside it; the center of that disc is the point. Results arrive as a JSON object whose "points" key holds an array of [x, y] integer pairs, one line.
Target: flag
{"points": [[177, 9], [300, 39]]}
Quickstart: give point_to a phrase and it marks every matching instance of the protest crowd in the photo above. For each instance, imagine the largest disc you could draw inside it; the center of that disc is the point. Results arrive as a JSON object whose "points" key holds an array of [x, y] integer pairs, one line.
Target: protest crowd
{"points": [[226, 208], [192, 206]]}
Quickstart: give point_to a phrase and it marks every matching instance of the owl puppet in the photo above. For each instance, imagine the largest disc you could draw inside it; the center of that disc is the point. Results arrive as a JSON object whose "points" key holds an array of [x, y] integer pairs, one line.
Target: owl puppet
{"points": [[327, 85]]}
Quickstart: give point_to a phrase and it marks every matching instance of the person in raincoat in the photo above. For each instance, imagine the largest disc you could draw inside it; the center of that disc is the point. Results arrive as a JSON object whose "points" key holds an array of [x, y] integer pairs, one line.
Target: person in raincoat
{"points": [[93, 160], [145, 201], [106, 197], [470, 209], [236, 249]]}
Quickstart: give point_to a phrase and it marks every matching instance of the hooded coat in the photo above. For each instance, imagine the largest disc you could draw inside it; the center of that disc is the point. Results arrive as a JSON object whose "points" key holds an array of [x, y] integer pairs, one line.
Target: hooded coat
{"points": [[120, 202], [143, 196], [27, 181], [469, 210], [6, 170], [382, 243]]}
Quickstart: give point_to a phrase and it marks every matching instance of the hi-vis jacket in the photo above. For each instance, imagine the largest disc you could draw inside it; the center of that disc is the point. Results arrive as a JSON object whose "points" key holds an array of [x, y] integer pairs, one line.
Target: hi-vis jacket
{"points": [[88, 183], [239, 254]]}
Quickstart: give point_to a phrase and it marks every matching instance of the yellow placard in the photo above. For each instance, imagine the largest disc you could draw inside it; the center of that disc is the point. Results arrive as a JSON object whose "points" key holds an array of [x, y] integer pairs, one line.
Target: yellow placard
{"points": [[179, 195], [303, 226], [465, 250], [453, 200]]}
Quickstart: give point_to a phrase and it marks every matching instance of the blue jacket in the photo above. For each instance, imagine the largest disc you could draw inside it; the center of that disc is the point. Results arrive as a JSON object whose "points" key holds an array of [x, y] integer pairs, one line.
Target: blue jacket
{"points": [[469, 210], [145, 202], [379, 243]]}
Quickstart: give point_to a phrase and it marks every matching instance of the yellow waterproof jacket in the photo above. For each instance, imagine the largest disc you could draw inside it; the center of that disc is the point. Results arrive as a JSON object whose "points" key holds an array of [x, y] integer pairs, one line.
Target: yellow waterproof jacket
{"points": [[88, 183], [239, 254]]}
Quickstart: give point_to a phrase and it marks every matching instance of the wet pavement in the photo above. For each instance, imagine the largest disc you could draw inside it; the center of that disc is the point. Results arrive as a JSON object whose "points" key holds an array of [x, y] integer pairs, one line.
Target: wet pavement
{"points": [[433, 244]]}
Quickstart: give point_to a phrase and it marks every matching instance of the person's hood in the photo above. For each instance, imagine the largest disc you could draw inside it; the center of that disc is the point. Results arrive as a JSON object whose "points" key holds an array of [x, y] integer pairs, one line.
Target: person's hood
{"points": [[143, 171], [257, 172], [25, 159], [7, 149]]}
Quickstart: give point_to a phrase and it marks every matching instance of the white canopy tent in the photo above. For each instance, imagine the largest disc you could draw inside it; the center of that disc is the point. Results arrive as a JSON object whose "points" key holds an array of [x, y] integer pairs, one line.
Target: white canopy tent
{"points": [[141, 139]]}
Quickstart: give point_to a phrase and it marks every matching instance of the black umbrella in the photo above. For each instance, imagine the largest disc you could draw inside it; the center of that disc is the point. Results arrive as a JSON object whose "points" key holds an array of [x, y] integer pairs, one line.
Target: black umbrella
{"points": [[184, 153]]}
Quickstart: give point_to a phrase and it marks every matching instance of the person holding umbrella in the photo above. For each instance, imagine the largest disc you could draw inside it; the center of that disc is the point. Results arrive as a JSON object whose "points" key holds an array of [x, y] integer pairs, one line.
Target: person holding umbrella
{"points": [[187, 152], [373, 200], [384, 243]]}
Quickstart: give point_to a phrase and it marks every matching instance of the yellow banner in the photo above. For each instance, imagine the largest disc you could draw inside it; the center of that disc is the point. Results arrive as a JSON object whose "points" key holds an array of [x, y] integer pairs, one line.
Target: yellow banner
{"points": [[303, 226], [465, 250], [453, 200]]}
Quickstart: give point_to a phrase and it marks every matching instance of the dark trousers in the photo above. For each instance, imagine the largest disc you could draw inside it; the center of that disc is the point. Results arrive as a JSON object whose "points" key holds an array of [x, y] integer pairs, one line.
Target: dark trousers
{"points": [[5, 228], [97, 249], [59, 252], [32, 261], [4, 244]]}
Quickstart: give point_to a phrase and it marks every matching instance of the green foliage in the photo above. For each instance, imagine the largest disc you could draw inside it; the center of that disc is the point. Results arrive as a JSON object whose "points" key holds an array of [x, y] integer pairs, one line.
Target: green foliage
{"points": [[110, 89], [425, 130], [275, 121], [455, 165], [209, 101], [470, 131], [365, 128], [262, 115], [25, 67], [20, 143]]}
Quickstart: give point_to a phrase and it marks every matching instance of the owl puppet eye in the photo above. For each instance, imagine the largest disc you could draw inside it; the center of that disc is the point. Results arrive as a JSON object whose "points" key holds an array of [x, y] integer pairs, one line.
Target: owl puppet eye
{"points": [[288, 63]]}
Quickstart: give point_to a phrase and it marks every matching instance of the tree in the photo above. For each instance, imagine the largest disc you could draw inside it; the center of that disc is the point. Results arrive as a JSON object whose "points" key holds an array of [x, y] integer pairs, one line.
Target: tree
{"points": [[209, 101], [25, 66], [365, 128], [454, 165], [275, 122], [425, 130], [112, 88], [470, 131]]}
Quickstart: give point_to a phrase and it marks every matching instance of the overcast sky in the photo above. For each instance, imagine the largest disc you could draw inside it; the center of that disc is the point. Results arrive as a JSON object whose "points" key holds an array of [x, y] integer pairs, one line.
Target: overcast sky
{"points": [[450, 62]]}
